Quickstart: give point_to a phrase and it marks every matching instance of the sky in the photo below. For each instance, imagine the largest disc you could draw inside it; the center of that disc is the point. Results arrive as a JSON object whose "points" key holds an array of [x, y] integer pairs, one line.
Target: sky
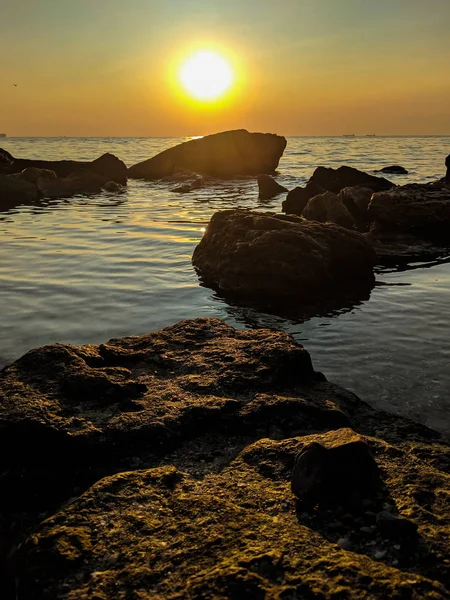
{"points": [[301, 67]]}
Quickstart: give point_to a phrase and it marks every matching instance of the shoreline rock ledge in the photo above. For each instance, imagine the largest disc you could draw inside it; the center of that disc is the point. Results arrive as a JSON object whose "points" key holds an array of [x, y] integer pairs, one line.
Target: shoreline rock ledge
{"points": [[159, 466], [223, 155], [278, 262]]}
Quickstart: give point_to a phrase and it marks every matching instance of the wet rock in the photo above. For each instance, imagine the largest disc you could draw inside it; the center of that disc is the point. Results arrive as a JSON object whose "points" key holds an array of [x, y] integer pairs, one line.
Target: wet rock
{"points": [[107, 165], [6, 160], [328, 207], [447, 164], [334, 180], [393, 170], [32, 174], [344, 543], [414, 208], [297, 198], [335, 471], [276, 261], [222, 155], [356, 200], [79, 182], [197, 183], [269, 188], [15, 191], [393, 527], [112, 186]]}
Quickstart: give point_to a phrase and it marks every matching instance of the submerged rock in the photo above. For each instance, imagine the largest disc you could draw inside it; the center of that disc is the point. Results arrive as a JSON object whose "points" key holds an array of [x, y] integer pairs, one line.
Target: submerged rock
{"points": [[107, 165], [269, 188], [16, 191], [222, 155], [275, 260], [328, 207], [297, 198], [334, 180], [394, 170], [339, 470]]}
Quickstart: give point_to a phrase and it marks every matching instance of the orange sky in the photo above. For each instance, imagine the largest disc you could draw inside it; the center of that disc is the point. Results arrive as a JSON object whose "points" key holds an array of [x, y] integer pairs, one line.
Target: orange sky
{"points": [[302, 67]]}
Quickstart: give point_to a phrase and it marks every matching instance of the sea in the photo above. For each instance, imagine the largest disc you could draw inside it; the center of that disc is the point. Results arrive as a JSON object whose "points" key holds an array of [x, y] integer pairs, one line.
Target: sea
{"points": [[90, 268]]}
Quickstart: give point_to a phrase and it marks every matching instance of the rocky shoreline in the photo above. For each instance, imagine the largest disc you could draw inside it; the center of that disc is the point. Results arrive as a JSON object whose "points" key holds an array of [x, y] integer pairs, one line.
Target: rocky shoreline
{"points": [[201, 461], [160, 466]]}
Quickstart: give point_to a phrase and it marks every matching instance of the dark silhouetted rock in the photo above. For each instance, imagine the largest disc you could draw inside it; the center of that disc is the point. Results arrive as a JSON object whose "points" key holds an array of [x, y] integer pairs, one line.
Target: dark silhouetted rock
{"points": [[195, 184], [268, 187], [6, 160], [447, 164], [273, 260], [336, 471], [334, 180], [32, 174], [356, 200], [81, 181], [297, 199], [223, 155], [393, 170], [394, 527], [113, 187], [15, 191], [107, 165], [328, 207], [414, 208]]}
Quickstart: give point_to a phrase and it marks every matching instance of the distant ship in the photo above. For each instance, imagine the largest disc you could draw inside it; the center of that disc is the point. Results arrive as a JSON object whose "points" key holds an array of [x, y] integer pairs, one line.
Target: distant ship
{"points": [[2, 134], [348, 135], [370, 135]]}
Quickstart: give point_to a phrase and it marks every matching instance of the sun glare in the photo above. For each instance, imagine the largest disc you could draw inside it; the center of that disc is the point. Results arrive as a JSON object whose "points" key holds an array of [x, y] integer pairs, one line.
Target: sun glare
{"points": [[206, 75]]}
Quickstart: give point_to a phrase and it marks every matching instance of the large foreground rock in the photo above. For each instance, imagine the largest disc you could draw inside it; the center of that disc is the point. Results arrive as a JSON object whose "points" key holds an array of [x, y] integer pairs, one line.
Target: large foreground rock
{"points": [[193, 505], [223, 155], [107, 165], [447, 164], [275, 261]]}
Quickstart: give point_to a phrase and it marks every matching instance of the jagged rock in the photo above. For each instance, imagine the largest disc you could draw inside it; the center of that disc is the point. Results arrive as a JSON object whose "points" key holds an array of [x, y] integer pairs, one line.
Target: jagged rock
{"points": [[16, 191], [328, 207], [394, 527], [335, 471], [394, 170], [162, 533], [334, 180], [107, 165], [81, 181], [414, 208], [269, 188], [297, 199], [279, 260], [32, 174], [223, 155]]}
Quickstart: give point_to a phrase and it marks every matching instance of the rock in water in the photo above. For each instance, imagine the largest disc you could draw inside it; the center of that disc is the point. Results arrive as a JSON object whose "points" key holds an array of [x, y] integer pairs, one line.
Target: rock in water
{"points": [[16, 191], [106, 165], [268, 187], [394, 170], [328, 207], [334, 180], [298, 198], [336, 471], [32, 174], [447, 164], [222, 155], [356, 200], [81, 181], [275, 260]]}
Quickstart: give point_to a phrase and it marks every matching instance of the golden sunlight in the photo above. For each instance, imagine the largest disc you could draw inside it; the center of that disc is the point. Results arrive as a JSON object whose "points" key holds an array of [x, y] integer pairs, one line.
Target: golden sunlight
{"points": [[206, 75]]}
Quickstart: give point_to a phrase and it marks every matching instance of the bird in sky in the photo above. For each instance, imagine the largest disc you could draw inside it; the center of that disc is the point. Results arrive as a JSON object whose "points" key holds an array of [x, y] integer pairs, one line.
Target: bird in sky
{"points": [[15, 84]]}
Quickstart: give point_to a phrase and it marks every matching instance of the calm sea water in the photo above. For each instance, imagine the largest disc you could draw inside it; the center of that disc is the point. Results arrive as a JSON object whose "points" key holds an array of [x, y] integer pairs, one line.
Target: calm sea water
{"points": [[91, 268]]}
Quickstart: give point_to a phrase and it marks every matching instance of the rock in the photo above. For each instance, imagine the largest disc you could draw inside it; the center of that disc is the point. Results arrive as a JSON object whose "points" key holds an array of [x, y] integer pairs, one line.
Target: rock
{"points": [[393, 527], [447, 164], [32, 174], [379, 555], [328, 207], [81, 181], [279, 261], [107, 165], [112, 186], [269, 188], [344, 543], [415, 208], [297, 198], [335, 471], [197, 183], [356, 200], [222, 155], [334, 180], [15, 191], [393, 170]]}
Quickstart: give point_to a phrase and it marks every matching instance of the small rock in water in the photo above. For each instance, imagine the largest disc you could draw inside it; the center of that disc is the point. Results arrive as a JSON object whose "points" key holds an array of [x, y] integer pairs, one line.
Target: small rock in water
{"points": [[380, 554], [344, 543]]}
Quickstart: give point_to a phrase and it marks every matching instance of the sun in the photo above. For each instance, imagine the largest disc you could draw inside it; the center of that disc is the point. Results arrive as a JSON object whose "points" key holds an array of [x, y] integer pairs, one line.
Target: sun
{"points": [[206, 75]]}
